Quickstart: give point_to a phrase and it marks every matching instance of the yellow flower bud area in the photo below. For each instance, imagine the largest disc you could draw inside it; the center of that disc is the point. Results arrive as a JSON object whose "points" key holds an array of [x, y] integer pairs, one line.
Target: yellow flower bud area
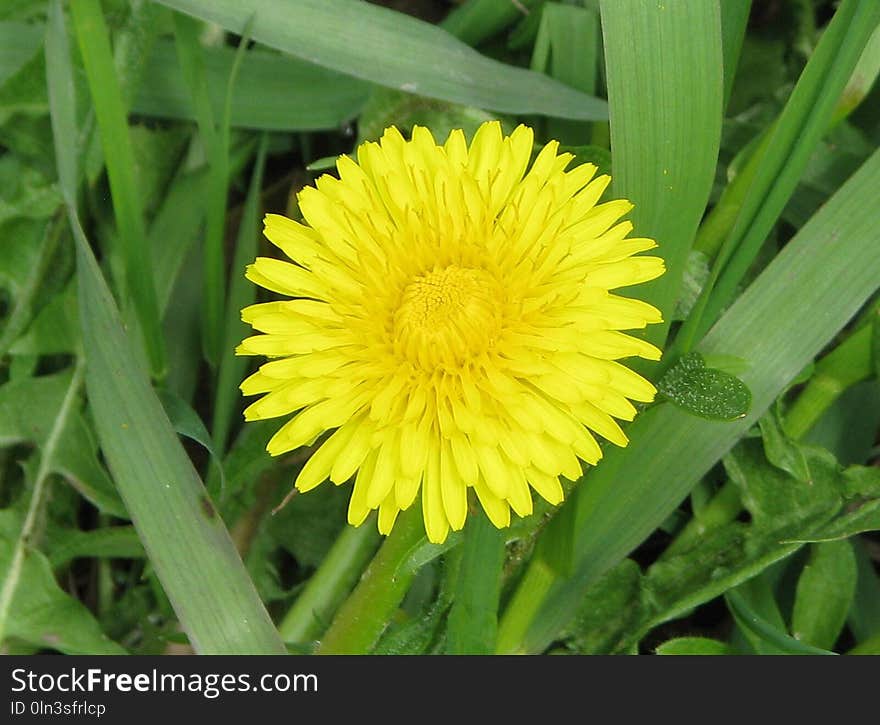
{"points": [[451, 323]]}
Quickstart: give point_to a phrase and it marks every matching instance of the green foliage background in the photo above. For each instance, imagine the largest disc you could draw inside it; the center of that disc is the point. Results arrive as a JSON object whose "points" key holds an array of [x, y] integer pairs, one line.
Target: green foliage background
{"points": [[141, 141]]}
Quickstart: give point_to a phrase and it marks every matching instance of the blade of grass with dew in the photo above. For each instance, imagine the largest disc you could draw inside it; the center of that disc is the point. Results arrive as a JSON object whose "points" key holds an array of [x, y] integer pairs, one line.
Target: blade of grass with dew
{"points": [[395, 50], [94, 43], [633, 490], [241, 294], [664, 66], [803, 121], [186, 542], [273, 92]]}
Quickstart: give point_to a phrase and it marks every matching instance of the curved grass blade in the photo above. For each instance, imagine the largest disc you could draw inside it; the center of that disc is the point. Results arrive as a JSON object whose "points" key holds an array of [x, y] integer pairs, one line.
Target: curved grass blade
{"points": [[395, 50]]}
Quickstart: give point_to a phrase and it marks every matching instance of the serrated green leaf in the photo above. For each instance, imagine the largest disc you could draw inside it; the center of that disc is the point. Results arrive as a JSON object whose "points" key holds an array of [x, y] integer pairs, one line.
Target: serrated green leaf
{"points": [[42, 614], [28, 408], [706, 392]]}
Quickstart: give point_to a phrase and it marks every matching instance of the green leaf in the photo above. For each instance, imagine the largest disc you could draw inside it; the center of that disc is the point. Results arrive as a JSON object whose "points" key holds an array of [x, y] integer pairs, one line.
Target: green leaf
{"points": [[187, 423], [777, 499], [42, 614], [567, 48], [29, 247], [734, 18], [752, 622], [666, 107], [825, 593], [185, 540], [273, 92], [19, 42], [624, 498], [241, 294], [706, 392], [782, 451], [55, 329], [394, 50], [111, 114], [28, 413], [864, 615], [473, 618], [475, 20], [64, 545], [611, 608], [694, 646]]}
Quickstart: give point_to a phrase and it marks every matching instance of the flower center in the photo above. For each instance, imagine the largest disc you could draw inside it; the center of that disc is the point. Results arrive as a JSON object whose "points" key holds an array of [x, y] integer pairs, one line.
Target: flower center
{"points": [[447, 317]]}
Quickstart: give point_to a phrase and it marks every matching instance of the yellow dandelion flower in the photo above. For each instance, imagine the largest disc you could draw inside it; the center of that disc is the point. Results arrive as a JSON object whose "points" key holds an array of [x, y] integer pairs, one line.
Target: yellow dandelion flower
{"points": [[451, 325]]}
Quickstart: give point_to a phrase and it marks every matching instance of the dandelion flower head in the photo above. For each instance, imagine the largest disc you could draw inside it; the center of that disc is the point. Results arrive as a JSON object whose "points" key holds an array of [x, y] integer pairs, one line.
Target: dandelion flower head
{"points": [[449, 324]]}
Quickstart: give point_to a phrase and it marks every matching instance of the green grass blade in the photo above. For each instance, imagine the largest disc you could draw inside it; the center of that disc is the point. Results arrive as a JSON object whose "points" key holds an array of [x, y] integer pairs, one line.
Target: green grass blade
{"points": [[665, 89], [94, 43], [734, 18], [186, 541], [805, 118], [189, 50], [633, 490], [473, 618], [475, 20], [241, 294], [62, 99], [395, 50]]}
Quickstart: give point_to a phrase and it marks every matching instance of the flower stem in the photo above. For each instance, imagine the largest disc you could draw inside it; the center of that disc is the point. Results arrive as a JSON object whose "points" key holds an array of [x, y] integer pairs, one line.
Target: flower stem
{"points": [[530, 595], [329, 585], [364, 615]]}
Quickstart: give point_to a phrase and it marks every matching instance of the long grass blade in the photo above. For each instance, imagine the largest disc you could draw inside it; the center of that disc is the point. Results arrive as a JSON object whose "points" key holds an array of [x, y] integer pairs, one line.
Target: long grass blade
{"points": [[94, 43], [665, 87], [184, 538], [394, 50]]}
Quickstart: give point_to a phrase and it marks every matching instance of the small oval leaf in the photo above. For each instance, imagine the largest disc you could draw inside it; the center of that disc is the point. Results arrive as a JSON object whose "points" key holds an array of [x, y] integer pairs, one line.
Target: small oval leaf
{"points": [[706, 392]]}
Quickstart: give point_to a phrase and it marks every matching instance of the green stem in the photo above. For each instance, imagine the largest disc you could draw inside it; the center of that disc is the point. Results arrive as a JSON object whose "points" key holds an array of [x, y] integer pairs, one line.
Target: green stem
{"points": [[718, 223], [722, 509], [845, 366], [330, 584], [364, 615], [529, 596]]}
